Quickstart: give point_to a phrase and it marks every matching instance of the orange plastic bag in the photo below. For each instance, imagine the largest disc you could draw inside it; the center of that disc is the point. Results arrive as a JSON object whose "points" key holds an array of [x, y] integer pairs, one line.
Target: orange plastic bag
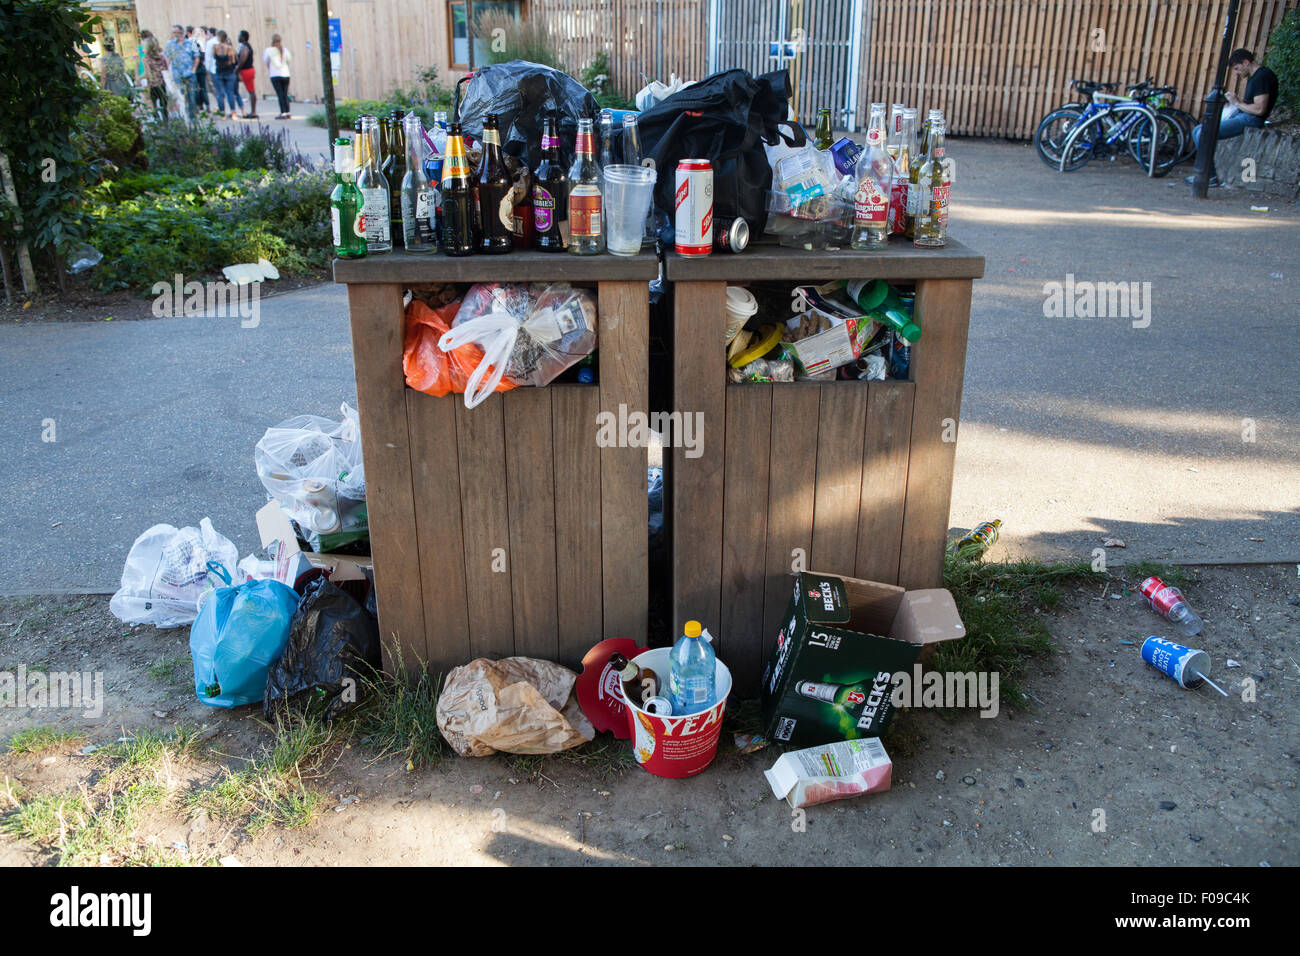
{"points": [[428, 369]]}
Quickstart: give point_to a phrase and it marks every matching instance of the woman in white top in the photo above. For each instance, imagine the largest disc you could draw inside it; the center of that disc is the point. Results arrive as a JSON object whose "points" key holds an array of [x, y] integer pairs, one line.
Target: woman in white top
{"points": [[277, 68]]}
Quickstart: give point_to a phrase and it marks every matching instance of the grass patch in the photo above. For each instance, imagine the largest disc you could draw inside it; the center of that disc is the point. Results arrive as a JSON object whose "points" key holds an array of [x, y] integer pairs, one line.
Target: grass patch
{"points": [[166, 671], [997, 603], [398, 717], [38, 740], [273, 789], [101, 823]]}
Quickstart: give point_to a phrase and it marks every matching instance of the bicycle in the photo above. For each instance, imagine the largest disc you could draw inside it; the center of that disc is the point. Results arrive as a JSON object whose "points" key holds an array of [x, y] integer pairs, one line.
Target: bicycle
{"points": [[1159, 98], [1071, 135]]}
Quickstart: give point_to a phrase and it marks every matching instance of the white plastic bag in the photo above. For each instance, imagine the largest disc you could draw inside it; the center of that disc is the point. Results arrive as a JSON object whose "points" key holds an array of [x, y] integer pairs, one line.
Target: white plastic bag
{"points": [[312, 466], [657, 92], [166, 574]]}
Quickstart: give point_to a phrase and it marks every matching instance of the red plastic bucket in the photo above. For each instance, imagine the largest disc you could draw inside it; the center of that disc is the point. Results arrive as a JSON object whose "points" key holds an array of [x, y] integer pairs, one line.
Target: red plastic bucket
{"points": [[681, 745]]}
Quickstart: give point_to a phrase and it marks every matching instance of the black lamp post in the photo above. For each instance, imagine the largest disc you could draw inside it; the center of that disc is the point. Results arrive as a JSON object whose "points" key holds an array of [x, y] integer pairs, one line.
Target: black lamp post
{"points": [[1214, 109]]}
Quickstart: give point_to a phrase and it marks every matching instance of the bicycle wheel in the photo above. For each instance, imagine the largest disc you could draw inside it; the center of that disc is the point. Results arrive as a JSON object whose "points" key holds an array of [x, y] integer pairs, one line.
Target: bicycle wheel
{"points": [[1187, 122], [1050, 137], [1169, 143]]}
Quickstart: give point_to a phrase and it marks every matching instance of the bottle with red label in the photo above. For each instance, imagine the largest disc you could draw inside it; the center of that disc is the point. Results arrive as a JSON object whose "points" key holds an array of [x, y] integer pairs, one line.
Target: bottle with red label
{"points": [[875, 178], [932, 183], [586, 200], [1170, 604]]}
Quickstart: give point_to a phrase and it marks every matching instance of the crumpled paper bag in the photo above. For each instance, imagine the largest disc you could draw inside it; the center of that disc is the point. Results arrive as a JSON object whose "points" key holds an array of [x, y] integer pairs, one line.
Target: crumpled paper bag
{"points": [[518, 705]]}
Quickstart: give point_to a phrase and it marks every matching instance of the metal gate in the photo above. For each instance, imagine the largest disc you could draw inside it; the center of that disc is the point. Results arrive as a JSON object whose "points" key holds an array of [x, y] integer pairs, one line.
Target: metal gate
{"points": [[821, 42]]}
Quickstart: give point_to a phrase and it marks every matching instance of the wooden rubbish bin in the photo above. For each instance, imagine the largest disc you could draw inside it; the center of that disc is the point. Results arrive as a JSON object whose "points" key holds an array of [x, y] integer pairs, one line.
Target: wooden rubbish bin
{"points": [[847, 477], [505, 529]]}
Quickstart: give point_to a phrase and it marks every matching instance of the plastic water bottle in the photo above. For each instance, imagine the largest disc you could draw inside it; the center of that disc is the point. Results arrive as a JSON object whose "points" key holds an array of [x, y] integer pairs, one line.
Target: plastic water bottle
{"points": [[1170, 604], [692, 668]]}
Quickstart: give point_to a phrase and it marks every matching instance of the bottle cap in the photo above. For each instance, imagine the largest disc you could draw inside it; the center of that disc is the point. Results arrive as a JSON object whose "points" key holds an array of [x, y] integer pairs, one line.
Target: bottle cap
{"points": [[693, 629]]}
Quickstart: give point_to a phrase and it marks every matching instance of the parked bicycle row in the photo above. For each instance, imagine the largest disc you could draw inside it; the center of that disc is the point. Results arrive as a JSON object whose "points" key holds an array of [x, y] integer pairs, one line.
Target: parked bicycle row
{"points": [[1142, 123]]}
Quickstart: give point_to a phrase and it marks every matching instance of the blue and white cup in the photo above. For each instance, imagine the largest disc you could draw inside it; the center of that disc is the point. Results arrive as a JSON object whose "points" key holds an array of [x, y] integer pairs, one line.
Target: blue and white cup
{"points": [[1187, 665]]}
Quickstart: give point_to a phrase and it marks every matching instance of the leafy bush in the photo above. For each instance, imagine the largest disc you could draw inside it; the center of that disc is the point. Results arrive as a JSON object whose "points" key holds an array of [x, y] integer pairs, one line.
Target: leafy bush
{"points": [[425, 98], [200, 147], [109, 134], [152, 226], [595, 77], [519, 40], [1283, 58]]}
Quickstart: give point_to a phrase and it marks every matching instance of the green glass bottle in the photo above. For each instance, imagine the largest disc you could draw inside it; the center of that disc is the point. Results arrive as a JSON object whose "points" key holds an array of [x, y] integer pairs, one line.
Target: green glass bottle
{"points": [[823, 139], [345, 205]]}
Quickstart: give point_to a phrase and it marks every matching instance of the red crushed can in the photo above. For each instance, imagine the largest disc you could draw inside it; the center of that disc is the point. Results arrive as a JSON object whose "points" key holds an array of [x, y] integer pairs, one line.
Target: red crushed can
{"points": [[694, 208]]}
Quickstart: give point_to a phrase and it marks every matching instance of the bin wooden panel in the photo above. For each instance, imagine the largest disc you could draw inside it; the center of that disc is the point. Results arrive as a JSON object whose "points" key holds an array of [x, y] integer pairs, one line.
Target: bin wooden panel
{"points": [[848, 477], [503, 529]]}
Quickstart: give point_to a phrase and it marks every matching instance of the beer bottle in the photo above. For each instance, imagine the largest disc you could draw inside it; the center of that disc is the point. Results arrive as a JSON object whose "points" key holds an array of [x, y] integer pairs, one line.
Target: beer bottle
{"points": [[875, 177], [374, 190], [915, 174], [639, 684], [457, 216], [496, 212], [396, 171], [419, 200], [823, 140], [606, 141], [346, 206], [931, 226], [847, 696], [903, 173], [895, 129], [550, 192], [586, 235]]}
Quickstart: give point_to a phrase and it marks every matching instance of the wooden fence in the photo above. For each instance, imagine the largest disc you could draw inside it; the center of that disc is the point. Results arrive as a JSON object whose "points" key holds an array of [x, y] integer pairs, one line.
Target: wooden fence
{"points": [[993, 66]]}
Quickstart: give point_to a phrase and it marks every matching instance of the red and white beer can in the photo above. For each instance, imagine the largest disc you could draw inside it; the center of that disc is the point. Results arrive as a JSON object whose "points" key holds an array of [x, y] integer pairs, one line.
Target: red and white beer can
{"points": [[694, 220]]}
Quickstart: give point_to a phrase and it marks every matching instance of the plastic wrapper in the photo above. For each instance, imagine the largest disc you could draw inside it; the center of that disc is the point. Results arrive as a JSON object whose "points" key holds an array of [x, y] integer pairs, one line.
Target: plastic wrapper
{"points": [[333, 644], [529, 333], [240, 632], [516, 705], [167, 573], [312, 466], [836, 771], [519, 94], [428, 368]]}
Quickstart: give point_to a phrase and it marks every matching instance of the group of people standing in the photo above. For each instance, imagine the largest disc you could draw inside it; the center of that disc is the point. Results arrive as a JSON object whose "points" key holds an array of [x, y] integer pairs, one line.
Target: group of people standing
{"points": [[193, 61]]}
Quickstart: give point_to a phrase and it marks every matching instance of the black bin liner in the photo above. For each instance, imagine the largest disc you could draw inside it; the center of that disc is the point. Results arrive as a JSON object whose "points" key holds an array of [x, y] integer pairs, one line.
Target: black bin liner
{"points": [[332, 639]]}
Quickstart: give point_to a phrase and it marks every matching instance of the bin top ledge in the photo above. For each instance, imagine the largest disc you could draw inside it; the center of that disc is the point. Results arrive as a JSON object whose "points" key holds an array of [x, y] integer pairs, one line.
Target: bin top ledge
{"points": [[902, 260], [522, 266]]}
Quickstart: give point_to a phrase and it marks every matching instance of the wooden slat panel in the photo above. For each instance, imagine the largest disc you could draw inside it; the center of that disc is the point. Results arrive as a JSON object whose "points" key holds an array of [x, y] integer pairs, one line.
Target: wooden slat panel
{"points": [[791, 486], [376, 316], [623, 375], [530, 492], [744, 533], [884, 480], [843, 422], [699, 316], [577, 557], [938, 366], [480, 437], [435, 471]]}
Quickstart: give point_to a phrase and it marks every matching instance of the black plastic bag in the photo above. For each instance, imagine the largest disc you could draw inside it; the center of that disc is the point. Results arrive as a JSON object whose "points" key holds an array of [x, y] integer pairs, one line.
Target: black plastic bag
{"points": [[333, 644], [520, 94], [725, 118]]}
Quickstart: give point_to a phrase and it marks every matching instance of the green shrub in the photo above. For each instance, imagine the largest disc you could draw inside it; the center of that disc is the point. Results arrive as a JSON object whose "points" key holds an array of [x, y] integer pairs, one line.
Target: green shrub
{"points": [[1283, 58], [595, 77], [152, 226], [193, 149], [109, 134]]}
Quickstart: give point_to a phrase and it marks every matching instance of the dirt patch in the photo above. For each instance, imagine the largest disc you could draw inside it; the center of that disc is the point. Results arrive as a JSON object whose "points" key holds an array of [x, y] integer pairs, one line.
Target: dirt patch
{"points": [[1115, 765]]}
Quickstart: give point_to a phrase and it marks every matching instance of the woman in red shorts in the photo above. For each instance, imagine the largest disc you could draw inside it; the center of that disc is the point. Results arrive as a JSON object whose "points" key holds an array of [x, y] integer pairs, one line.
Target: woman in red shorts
{"points": [[244, 69]]}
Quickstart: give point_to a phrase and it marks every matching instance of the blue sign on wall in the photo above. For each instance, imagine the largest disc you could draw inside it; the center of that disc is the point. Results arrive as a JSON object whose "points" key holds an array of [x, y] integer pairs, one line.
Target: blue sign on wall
{"points": [[336, 35]]}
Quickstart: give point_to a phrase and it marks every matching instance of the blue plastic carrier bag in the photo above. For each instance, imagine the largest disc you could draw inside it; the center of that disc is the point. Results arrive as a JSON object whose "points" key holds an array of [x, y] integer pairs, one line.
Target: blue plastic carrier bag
{"points": [[239, 633]]}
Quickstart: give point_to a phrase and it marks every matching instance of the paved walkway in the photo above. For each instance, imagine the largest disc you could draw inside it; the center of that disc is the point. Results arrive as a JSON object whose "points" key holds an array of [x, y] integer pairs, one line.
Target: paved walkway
{"points": [[1073, 429]]}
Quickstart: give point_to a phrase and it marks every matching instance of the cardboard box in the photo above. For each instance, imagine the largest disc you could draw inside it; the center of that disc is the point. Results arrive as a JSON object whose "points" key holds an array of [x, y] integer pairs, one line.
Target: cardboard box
{"points": [[839, 345], [292, 563], [829, 676], [847, 768]]}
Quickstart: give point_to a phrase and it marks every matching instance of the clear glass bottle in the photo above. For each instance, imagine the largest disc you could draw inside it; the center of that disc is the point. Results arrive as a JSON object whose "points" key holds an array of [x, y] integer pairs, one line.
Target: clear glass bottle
{"points": [[632, 157], [439, 132], [894, 132], [922, 151], [606, 141], [346, 206], [376, 208], [586, 196], [419, 198], [931, 229], [875, 178]]}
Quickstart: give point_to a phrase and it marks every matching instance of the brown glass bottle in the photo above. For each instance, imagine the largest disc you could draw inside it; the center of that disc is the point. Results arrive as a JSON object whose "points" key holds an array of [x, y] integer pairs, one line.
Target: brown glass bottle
{"points": [[495, 211], [550, 192], [396, 171], [457, 197]]}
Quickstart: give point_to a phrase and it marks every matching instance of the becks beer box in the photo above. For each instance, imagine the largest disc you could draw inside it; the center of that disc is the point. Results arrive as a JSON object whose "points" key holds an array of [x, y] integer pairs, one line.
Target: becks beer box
{"points": [[828, 677]]}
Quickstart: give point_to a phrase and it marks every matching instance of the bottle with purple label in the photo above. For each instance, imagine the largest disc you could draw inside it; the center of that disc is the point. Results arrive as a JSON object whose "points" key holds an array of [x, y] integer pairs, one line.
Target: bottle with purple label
{"points": [[550, 192]]}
